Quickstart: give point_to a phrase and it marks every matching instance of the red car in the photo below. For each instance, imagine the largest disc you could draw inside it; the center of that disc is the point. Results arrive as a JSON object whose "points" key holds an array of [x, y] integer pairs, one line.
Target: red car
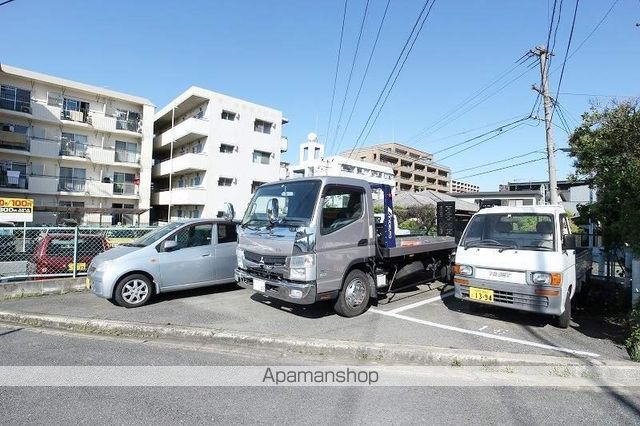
{"points": [[54, 252]]}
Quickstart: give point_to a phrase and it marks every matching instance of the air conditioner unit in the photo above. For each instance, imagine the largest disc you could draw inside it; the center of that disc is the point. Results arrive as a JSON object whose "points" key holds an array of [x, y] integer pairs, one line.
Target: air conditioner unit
{"points": [[26, 109]]}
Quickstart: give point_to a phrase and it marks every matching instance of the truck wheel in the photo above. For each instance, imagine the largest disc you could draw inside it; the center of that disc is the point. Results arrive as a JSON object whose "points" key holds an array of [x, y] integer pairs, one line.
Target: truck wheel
{"points": [[564, 320], [133, 291], [354, 297]]}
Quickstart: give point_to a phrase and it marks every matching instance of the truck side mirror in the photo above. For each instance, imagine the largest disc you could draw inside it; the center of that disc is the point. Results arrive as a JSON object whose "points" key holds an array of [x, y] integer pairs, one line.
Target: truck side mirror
{"points": [[170, 245], [273, 210], [569, 242]]}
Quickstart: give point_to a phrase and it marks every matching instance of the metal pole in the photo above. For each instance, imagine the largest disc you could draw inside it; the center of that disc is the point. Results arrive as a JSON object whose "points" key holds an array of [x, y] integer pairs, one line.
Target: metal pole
{"points": [[551, 150], [75, 252], [173, 137], [24, 236]]}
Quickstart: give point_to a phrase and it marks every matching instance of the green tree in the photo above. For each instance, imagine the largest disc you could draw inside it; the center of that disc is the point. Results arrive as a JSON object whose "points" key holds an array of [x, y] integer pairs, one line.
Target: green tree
{"points": [[424, 217], [606, 152]]}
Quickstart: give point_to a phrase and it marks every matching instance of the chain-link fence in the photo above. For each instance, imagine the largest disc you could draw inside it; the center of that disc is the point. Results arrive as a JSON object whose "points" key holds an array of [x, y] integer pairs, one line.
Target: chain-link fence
{"points": [[48, 252]]}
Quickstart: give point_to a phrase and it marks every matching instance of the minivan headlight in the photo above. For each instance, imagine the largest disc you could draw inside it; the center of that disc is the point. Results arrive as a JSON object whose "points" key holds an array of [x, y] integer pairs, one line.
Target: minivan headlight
{"points": [[465, 270], [240, 257], [545, 278]]}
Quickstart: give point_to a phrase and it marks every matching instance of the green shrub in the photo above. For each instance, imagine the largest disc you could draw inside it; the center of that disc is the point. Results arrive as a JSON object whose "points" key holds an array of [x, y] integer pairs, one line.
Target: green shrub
{"points": [[410, 224], [633, 341]]}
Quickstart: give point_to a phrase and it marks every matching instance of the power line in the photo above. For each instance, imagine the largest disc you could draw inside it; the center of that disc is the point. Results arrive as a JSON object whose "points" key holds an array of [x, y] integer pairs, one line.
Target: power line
{"points": [[364, 75], [555, 32], [593, 95], [335, 78], [566, 54], [353, 64], [502, 168], [5, 2], [615, 2], [502, 132], [479, 166], [404, 48], [393, 84], [553, 15]]}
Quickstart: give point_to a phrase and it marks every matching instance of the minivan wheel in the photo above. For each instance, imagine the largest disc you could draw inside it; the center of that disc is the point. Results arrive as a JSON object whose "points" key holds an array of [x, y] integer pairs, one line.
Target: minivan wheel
{"points": [[354, 297], [133, 291], [564, 320]]}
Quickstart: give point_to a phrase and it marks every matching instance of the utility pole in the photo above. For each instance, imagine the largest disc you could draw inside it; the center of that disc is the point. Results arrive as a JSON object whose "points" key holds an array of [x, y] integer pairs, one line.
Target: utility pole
{"points": [[544, 54]]}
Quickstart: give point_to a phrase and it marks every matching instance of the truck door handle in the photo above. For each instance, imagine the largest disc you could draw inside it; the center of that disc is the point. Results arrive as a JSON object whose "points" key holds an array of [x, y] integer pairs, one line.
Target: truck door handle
{"points": [[363, 242], [206, 255]]}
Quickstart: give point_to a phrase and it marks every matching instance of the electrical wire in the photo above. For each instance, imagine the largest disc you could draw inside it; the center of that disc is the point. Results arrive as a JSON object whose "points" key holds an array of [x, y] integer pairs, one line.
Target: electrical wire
{"points": [[353, 64], [364, 75], [5, 2], [502, 132], [335, 78], [615, 2], [566, 54], [479, 166], [395, 67], [502, 168]]}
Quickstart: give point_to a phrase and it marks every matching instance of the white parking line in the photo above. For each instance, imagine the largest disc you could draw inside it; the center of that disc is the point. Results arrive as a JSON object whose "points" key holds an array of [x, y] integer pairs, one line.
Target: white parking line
{"points": [[487, 335], [422, 302]]}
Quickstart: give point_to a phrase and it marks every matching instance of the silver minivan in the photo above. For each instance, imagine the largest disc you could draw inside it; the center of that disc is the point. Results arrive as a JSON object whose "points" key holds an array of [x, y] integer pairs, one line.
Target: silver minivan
{"points": [[177, 256]]}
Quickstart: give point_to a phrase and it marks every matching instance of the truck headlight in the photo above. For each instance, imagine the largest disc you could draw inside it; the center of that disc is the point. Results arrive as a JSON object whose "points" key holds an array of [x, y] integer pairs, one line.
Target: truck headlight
{"points": [[302, 268], [465, 270], [546, 278], [240, 257]]}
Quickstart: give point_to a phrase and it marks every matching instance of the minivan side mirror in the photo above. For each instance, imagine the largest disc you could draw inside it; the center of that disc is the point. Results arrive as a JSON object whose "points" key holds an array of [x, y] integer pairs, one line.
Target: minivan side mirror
{"points": [[170, 245], [568, 242]]}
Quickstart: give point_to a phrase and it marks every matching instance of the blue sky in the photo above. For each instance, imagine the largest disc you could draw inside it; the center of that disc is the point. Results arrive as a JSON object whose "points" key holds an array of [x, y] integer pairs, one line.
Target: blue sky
{"points": [[282, 53]]}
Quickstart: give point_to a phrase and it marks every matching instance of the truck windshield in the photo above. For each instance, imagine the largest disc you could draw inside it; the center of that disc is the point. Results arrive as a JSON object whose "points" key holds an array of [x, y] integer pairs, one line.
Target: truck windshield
{"points": [[296, 201], [522, 231]]}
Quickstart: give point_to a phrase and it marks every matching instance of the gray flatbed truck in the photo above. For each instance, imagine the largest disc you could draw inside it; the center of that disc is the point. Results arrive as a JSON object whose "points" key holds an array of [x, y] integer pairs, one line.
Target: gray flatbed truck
{"points": [[312, 239]]}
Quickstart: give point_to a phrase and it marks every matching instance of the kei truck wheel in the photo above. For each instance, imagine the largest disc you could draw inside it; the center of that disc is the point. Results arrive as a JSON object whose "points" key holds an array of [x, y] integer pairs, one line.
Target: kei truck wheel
{"points": [[564, 320]]}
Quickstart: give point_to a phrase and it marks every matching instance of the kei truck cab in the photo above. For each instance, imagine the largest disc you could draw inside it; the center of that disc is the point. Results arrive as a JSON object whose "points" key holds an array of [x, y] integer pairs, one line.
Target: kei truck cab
{"points": [[521, 258]]}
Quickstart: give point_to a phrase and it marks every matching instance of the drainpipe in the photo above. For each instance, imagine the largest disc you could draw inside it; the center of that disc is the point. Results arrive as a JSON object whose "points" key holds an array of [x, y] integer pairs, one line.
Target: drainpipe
{"points": [[173, 138]]}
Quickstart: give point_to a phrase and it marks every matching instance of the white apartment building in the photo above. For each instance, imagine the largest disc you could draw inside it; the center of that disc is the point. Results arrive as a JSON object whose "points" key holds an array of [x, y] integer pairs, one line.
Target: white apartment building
{"points": [[312, 162], [81, 152], [210, 149], [459, 186]]}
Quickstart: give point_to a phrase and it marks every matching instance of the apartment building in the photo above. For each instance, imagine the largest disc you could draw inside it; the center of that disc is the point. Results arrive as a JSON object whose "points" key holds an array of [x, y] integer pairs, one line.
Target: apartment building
{"points": [[210, 149], [312, 162], [81, 152], [459, 186], [414, 169]]}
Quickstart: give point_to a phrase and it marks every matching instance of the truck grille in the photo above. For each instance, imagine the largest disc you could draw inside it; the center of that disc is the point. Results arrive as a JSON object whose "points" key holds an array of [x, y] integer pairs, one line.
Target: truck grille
{"points": [[265, 259], [263, 273]]}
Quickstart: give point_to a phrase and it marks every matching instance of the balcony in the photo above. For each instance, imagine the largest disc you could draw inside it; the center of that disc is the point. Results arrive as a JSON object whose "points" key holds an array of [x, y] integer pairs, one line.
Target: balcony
{"points": [[73, 149], [72, 115], [44, 147], [189, 130], [180, 196], [100, 155], [127, 157], [14, 180], [14, 140], [67, 184], [125, 188], [16, 102], [95, 188], [43, 184], [108, 123], [186, 163]]}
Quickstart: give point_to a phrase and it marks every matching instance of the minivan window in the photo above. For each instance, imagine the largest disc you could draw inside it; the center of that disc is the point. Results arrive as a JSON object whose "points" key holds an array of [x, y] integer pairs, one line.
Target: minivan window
{"points": [[155, 235], [227, 233], [194, 235]]}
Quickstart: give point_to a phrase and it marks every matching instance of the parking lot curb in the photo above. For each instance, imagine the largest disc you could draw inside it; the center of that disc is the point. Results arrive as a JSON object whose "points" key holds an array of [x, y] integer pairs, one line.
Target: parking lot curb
{"points": [[17, 290], [358, 351]]}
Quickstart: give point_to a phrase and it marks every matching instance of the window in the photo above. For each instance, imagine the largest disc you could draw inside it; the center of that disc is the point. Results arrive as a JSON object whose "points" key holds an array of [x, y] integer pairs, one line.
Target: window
{"points": [[127, 120], [124, 183], [228, 115], [255, 185], [261, 157], [226, 149], [127, 152], [75, 110], [121, 218], [262, 126], [194, 235], [73, 145], [72, 179], [54, 99], [523, 231], [15, 99], [341, 206], [227, 233], [224, 181]]}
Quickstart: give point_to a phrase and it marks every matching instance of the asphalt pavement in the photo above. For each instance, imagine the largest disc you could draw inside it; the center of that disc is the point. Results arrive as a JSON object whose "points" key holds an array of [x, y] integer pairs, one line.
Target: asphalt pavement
{"points": [[284, 405]]}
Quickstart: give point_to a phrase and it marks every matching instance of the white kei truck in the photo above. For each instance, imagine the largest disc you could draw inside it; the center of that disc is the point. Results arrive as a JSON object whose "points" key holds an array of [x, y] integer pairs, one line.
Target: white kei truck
{"points": [[521, 258]]}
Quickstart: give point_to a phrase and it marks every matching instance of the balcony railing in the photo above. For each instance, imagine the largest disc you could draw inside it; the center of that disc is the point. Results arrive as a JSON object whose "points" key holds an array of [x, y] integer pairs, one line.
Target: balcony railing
{"points": [[68, 184], [9, 179], [127, 156], [80, 116], [14, 104], [14, 140], [73, 149], [129, 124], [124, 188]]}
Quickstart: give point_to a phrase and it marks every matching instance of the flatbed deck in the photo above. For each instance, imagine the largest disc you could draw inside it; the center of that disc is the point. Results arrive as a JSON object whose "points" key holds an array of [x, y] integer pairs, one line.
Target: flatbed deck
{"points": [[412, 245]]}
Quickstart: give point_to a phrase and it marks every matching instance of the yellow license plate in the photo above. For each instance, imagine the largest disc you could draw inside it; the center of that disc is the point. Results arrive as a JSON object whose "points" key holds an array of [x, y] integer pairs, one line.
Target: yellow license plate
{"points": [[481, 294], [79, 267]]}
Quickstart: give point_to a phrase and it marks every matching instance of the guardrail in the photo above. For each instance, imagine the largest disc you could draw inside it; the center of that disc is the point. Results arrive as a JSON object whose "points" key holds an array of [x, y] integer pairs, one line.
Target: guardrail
{"points": [[48, 252]]}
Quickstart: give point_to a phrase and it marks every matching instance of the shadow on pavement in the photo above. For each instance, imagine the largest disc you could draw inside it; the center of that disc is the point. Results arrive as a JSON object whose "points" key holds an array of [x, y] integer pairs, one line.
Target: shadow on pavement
{"points": [[196, 292], [317, 310], [10, 331]]}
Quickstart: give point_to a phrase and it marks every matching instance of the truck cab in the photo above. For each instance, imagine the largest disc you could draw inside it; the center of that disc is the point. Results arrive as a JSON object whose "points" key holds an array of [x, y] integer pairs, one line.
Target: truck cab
{"points": [[521, 258], [312, 239]]}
